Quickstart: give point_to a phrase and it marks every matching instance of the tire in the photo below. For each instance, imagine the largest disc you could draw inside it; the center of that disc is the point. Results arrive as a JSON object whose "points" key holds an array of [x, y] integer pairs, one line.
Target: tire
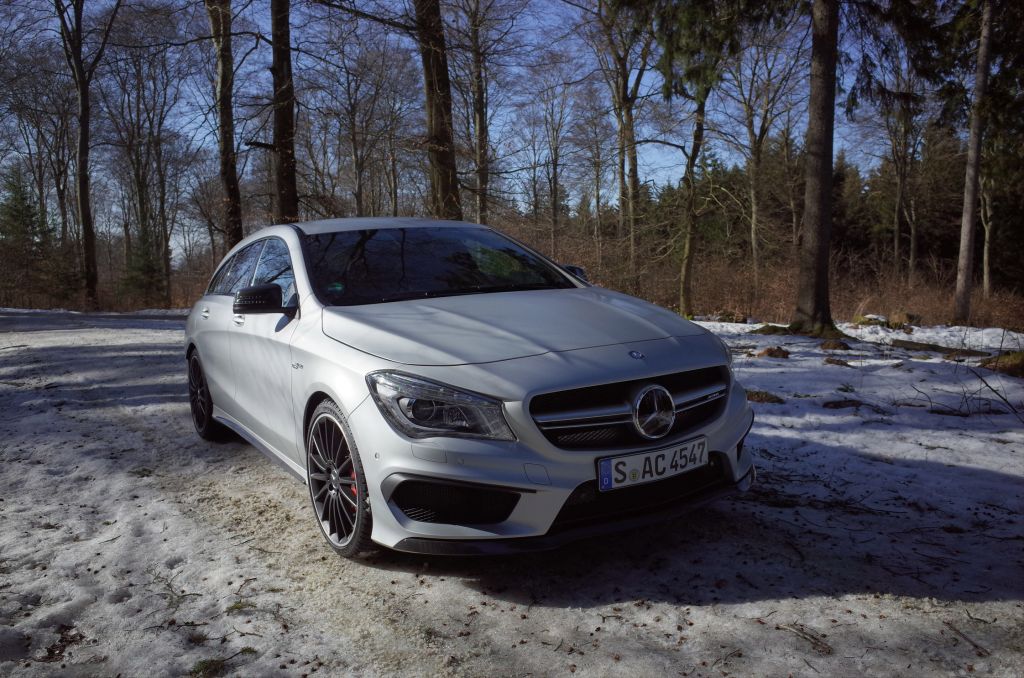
{"points": [[201, 404], [337, 484]]}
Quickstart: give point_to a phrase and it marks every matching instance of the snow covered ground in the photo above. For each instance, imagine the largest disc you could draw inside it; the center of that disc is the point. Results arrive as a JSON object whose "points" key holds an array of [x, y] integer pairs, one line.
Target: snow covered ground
{"points": [[884, 535]]}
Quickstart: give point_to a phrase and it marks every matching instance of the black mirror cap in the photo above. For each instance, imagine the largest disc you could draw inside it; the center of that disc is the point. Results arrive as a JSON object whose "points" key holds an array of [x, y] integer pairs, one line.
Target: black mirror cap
{"points": [[577, 272], [259, 299]]}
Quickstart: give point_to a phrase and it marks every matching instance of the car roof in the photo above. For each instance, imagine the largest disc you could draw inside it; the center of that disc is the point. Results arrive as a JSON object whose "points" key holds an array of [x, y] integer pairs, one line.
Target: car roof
{"points": [[360, 223]]}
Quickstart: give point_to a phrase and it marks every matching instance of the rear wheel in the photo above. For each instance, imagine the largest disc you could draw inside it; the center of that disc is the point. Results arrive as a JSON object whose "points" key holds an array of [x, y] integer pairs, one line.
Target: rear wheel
{"points": [[201, 403], [337, 485]]}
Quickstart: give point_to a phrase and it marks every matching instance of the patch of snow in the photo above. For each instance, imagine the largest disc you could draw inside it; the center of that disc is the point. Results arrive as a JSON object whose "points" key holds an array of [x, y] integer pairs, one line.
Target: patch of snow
{"points": [[991, 339]]}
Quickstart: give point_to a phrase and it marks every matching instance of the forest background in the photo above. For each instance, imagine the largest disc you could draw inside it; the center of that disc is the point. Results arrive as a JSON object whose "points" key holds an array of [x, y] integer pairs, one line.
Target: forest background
{"points": [[680, 151]]}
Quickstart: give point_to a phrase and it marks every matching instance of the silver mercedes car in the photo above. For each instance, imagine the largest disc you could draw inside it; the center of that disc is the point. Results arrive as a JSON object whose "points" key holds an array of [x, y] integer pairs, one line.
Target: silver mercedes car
{"points": [[442, 388]]}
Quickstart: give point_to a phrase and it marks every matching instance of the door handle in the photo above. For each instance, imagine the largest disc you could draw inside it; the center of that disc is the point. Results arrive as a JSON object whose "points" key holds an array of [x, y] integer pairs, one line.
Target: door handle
{"points": [[238, 319], [205, 313]]}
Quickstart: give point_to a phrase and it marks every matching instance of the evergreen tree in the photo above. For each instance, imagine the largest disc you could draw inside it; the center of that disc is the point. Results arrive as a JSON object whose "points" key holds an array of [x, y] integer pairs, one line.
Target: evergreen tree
{"points": [[20, 239]]}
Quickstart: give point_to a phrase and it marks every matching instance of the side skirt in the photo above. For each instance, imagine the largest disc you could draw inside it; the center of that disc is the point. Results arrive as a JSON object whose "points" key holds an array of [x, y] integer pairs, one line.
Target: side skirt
{"points": [[294, 469]]}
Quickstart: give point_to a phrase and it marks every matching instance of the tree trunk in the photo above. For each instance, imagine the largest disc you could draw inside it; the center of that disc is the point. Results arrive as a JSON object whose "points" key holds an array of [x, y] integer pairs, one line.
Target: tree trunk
{"points": [[481, 124], [84, 198], [358, 166], [911, 215], [791, 185], [553, 188], [632, 191], [286, 207], [689, 211], [220, 29], [965, 265], [597, 207], [813, 314], [393, 177], [445, 202], [755, 257], [988, 227], [896, 213], [620, 225]]}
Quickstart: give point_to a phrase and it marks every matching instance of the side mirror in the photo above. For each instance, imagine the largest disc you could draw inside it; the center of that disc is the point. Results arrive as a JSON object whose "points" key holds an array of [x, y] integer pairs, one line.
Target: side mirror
{"points": [[577, 272], [259, 299]]}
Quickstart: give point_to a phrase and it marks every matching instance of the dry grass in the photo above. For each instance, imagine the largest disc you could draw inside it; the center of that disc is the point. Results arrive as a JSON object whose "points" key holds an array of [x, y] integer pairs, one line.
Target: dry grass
{"points": [[764, 397], [1007, 363], [725, 288]]}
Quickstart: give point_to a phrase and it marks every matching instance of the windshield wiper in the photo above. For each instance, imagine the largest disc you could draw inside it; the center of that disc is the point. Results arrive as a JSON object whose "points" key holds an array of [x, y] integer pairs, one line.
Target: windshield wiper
{"points": [[431, 294]]}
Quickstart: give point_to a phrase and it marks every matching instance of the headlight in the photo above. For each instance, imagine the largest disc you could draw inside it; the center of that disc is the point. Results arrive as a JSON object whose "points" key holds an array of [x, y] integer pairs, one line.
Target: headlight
{"points": [[422, 409]]}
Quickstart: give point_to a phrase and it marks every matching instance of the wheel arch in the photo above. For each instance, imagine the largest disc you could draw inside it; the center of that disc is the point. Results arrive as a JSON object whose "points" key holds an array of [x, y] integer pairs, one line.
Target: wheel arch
{"points": [[312, 403]]}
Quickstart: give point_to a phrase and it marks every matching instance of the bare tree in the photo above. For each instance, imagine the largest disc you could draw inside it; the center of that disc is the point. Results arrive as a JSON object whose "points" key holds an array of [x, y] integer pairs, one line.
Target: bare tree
{"points": [[483, 35], [221, 18], [965, 264], [425, 25], [286, 203], [592, 135], [141, 95], [76, 38], [554, 79], [761, 87], [813, 313], [622, 39], [360, 109]]}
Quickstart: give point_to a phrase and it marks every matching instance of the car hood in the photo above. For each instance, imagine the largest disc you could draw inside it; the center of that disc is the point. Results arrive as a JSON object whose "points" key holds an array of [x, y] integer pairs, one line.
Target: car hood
{"points": [[482, 328]]}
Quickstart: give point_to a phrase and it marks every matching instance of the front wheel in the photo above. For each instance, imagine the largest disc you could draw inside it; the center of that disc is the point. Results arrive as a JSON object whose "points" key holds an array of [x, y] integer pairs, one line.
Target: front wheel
{"points": [[337, 485]]}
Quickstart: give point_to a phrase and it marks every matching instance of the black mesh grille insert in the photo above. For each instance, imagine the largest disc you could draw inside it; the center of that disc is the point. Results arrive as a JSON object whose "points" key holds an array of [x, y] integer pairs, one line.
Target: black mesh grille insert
{"points": [[588, 505], [454, 504]]}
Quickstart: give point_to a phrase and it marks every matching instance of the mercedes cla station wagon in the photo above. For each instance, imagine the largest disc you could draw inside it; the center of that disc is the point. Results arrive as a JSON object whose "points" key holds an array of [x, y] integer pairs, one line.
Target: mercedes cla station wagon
{"points": [[442, 388]]}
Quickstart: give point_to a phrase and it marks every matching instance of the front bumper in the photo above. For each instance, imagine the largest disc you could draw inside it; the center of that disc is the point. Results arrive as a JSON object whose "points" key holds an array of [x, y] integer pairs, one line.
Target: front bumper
{"points": [[556, 489], [555, 539]]}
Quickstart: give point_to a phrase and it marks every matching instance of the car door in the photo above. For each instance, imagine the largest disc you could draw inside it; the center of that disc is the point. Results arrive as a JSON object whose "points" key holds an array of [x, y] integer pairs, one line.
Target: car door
{"points": [[211, 323], [215, 314], [261, 355]]}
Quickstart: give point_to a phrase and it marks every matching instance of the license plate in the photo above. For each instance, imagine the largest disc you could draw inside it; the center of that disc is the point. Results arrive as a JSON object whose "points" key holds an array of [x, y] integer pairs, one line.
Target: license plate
{"points": [[646, 467]]}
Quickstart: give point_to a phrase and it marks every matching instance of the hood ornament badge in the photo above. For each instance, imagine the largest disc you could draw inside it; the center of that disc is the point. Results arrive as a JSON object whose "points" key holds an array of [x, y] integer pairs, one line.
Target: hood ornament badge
{"points": [[636, 355]]}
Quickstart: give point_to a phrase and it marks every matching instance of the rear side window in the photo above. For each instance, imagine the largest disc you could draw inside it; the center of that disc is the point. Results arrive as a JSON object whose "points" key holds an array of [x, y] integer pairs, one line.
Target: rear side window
{"points": [[276, 267], [238, 273], [219, 277]]}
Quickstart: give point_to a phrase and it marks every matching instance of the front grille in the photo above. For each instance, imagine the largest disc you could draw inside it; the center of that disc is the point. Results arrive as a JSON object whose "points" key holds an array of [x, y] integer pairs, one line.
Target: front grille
{"points": [[453, 503], [587, 505], [601, 417]]}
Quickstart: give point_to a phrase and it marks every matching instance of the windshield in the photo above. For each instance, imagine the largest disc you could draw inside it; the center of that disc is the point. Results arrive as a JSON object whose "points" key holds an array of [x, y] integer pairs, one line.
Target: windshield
{"points": [[371, 266]]}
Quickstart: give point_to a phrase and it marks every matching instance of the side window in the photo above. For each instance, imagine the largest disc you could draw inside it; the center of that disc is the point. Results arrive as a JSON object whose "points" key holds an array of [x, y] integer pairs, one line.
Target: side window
{"points": [[276, 267], [242, 267], [218, 278]]}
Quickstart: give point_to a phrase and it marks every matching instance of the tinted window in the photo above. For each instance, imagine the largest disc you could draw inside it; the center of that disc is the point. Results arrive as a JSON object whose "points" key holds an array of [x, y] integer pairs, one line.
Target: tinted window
{"points": [[276, 267], [391, 264], [219, 277], [242, 266]]}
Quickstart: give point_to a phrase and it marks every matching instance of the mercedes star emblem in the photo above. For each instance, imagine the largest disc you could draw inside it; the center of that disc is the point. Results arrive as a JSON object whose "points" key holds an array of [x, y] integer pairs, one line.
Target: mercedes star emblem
{"points": [[654, 413]]}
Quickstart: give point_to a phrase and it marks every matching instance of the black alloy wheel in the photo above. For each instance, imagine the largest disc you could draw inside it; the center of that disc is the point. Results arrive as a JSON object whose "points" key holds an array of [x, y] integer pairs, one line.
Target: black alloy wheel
{"points": [[337, 486], [201, 403]]}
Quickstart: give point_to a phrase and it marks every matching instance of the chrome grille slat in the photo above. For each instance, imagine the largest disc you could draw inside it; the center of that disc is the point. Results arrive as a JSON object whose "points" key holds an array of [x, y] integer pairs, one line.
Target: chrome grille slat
{"points": [[698, 396], [611, 414]]}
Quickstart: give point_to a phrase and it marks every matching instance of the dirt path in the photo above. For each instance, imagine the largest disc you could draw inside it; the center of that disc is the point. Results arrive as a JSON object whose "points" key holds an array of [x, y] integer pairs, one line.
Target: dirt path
{"points": [[129, 546]]}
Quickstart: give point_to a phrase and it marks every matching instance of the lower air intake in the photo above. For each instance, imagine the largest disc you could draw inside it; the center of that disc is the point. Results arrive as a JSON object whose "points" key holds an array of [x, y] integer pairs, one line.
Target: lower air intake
{"points": [[453, 504]]}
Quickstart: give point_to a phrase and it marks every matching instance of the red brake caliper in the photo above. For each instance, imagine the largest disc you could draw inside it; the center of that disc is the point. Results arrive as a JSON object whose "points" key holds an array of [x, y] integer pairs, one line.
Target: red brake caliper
{"points": [[355, 491]]}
